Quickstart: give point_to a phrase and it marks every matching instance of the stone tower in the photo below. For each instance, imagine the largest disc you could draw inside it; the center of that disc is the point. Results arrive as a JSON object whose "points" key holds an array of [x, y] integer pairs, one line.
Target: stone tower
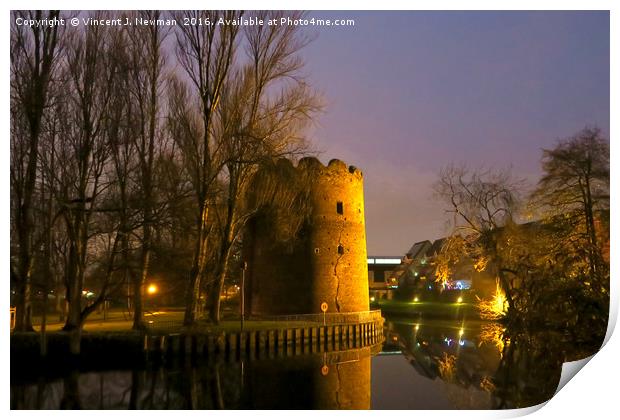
{"points": [[326, 262]]}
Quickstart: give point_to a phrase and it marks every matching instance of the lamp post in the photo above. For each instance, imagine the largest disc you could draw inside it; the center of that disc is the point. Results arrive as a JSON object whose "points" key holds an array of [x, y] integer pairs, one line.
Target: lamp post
{"points": [[244, 266]]}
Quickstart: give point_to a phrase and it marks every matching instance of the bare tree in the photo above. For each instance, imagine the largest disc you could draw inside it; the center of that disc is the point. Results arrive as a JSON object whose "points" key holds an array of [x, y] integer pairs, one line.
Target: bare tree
{"points": [[83, 156], [147, 63], [33, 57], [575, 186], [265, 106], [481, 202], [206, 52]]}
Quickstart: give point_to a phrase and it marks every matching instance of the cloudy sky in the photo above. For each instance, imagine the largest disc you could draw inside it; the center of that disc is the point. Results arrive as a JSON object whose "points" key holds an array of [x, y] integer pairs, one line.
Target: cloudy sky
{"points": [[410, 92]]}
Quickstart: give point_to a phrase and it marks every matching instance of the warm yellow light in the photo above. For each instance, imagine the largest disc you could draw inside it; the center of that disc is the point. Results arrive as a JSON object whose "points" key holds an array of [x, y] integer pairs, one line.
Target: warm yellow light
{"points": [[152, 289], [461, 332], [495, 307], [459, 300], [415, 299], [493, 333]]}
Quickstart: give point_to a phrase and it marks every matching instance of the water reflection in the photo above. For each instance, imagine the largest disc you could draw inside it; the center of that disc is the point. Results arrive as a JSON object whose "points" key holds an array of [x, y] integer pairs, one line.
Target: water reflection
{"points": [[434, 364], [468, 365], [308, 382]]}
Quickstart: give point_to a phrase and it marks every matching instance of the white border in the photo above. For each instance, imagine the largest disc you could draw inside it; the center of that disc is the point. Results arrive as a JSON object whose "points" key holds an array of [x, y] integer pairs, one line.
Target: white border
{"points": [[591, 394]]}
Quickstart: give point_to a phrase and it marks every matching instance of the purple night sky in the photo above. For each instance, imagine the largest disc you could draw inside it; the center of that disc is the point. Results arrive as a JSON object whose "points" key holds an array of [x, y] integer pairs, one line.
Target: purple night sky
{"points": [[410, 92]]}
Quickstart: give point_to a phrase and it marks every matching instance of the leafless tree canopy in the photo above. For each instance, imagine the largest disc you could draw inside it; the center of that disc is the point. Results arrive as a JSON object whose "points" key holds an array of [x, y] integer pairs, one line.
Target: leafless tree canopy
{"points": [[135, 148], [479, 200], [547, 249]]}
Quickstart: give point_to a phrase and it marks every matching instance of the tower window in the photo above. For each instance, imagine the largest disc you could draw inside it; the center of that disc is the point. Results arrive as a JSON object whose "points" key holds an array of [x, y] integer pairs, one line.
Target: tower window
{"points": [[339, 207]]}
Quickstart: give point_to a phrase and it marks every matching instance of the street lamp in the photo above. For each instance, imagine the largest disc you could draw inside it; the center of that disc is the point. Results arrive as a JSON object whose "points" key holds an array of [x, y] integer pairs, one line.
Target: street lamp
{"points": [[152, 289]]}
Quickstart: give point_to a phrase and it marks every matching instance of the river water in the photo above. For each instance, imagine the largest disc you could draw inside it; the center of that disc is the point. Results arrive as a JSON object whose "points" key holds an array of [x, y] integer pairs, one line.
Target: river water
{"points": [[423, 364]]}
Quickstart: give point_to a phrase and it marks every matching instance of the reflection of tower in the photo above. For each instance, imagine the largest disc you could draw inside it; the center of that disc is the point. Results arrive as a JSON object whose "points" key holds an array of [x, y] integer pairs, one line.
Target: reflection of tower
{"points": [[326, 261], [345, 386], [300, 383]]}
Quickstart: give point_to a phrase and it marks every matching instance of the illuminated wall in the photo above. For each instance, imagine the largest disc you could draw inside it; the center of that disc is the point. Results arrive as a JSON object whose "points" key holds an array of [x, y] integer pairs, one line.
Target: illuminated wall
{"points": [[326, 262]]}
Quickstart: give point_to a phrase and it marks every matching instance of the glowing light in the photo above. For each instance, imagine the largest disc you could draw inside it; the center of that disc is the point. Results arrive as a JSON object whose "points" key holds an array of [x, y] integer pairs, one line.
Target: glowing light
{"points": [[461, 332], [415, 299], [461, 342], [417, 327], [459, 300], [495, 307], [152, 289], [372, 298]]}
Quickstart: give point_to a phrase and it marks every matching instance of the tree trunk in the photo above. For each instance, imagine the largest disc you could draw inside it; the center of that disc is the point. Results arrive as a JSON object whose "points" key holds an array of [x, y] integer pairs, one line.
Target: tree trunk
{"points": [[23, 307], [192, 294], [138, 286], [74, 291], [138, 318], [224, 257]]}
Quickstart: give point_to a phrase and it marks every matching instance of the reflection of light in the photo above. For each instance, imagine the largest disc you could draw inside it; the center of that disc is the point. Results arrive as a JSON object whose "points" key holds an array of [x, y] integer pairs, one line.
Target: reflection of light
{"points": [[494, 334], [152, 289]]}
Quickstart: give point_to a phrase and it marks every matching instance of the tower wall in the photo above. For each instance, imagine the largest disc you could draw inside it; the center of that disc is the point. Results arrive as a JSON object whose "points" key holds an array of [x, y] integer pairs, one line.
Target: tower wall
{"points": [[326, 262], [337, 239]]}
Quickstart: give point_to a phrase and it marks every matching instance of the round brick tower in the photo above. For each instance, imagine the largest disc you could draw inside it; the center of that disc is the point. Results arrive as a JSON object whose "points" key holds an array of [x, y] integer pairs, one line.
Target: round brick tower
{"points": [[327, 261], [337, 237]]}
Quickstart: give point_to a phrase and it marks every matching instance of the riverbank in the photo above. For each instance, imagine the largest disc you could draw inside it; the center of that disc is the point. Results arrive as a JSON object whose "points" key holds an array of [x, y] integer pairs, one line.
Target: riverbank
{"points": [[168, 339], [430, 310]]}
